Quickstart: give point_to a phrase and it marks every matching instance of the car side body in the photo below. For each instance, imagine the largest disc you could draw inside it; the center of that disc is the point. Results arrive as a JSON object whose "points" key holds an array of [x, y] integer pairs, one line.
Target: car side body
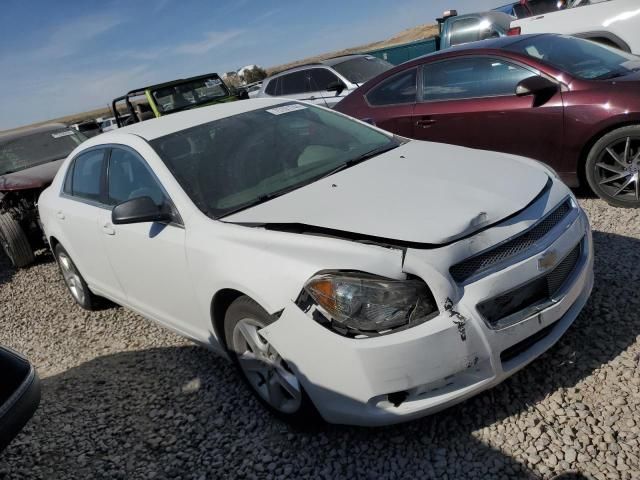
{"points": [[558, 132], [322, 83], [28, 164], [615, 23], [404, 215]]}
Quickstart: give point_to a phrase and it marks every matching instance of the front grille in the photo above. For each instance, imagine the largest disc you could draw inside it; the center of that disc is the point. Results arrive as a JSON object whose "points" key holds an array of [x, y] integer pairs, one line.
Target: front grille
{"points": [[473, 265], [536, 293]]}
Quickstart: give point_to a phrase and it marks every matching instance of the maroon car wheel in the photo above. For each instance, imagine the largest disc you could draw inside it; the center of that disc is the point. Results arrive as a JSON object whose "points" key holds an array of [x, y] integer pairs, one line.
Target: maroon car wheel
{"points": [[15, 242], [613, 167]]}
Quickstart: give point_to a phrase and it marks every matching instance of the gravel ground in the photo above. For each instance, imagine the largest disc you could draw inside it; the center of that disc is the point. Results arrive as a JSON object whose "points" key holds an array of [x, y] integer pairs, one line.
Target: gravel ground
{"points": [[124, 399]]}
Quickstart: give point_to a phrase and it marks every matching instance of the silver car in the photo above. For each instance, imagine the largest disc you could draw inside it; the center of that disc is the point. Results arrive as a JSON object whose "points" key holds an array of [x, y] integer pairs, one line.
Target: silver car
{"points": [[325, 82]]}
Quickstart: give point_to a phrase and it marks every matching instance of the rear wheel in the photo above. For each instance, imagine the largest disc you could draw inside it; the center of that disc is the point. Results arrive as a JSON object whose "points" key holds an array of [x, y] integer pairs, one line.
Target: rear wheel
{"points": [[74, 281], [15, 242], [268, 375], [613, 167]]}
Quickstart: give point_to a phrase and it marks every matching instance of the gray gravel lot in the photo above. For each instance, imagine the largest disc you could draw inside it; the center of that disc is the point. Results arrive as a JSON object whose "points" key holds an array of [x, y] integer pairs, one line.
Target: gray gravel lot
{"points": [[123, 398]]}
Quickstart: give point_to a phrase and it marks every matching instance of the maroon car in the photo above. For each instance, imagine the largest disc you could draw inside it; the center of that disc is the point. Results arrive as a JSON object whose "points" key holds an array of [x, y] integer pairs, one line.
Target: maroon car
{"points": [[568, 102], [29, 159]]}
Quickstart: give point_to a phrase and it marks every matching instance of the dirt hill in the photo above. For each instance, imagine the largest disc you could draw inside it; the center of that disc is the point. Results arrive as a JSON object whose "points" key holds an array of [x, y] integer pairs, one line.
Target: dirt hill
{"points": [[409, 35]]}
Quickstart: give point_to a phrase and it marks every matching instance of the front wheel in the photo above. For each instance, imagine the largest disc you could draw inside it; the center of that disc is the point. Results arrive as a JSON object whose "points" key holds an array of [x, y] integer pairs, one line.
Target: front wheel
{"points": [[14, 241], [74, 281], [268, 375], [613, 167]]}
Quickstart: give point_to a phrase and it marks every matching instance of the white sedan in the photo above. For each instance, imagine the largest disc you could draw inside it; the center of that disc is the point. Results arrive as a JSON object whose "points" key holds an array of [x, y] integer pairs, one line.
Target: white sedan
{"points": [[344, 270]]}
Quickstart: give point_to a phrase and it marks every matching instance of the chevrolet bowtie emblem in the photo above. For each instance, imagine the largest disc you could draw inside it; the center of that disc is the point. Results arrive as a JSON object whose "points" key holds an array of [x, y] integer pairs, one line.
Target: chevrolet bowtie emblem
{"points": [[548, 260]]}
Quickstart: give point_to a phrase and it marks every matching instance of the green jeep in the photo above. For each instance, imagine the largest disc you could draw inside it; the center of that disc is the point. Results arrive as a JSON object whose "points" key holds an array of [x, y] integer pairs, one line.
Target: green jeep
{"points": [[170, 97]]}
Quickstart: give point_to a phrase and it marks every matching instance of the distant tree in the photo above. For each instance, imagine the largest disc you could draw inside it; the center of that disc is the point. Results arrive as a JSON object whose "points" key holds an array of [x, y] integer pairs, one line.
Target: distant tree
{"points": [[254, 75], [232, 80]]}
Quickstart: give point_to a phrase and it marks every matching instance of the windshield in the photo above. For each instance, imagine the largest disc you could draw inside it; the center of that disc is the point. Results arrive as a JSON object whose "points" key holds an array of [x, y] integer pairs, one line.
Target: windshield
{"points": [[580, 58], [362, 69], [189, 94], [235, 162], [30, 150]]}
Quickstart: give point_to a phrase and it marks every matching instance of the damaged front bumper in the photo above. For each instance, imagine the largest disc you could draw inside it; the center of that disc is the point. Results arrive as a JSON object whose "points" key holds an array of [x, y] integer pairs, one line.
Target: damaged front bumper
{"points": [[459, 353]]}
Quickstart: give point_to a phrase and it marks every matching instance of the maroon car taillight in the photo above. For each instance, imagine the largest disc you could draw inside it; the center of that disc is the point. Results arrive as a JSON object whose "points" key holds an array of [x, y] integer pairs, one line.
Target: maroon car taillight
{"points": [[514, 31]]}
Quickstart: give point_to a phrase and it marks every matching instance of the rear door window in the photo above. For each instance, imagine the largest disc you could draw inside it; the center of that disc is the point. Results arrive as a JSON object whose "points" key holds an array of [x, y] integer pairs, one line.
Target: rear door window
{"points": [[87, 175], [294, 83], [398, 89], [471, 77]]}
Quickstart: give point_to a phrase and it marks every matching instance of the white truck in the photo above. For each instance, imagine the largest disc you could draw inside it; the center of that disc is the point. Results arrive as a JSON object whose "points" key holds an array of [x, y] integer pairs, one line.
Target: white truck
{"points": [[614, 22]]}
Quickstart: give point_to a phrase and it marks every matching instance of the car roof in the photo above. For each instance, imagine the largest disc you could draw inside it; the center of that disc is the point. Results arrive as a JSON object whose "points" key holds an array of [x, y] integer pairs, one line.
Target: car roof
{"points": [[343, 58], [489, 44], [493, 43], [329, 62], [158, 127], [23, 132]]}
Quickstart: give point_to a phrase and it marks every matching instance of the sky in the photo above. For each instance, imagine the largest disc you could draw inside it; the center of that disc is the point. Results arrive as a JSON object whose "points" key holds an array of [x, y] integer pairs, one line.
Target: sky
{"points": [[63, 57]]}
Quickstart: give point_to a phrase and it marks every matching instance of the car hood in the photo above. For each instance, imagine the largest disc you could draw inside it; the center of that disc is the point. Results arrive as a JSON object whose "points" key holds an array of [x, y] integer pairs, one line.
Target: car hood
{"points": [[34, 177], [428, 193]]}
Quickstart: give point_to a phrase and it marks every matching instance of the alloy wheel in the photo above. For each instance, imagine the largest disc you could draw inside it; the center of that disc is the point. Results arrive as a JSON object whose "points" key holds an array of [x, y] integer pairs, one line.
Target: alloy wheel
{"points": [[617, 169], [264, 368], [71, 277]]}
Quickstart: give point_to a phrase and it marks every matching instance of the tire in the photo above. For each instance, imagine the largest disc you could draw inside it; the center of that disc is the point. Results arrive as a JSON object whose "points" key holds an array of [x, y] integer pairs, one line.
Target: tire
{"points": [[245, 317], [73, 280], [15, 242], [613, 167]]}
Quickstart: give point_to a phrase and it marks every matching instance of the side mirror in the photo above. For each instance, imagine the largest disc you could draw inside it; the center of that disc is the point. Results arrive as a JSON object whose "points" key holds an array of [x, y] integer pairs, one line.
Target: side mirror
{"points": [[139, 210], [19, 394], [535, 85], [336, 86], [541, 88]]}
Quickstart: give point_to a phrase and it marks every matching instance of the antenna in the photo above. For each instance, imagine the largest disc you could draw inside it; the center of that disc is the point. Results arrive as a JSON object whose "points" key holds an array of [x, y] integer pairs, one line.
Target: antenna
{"points": [[313, 84]]}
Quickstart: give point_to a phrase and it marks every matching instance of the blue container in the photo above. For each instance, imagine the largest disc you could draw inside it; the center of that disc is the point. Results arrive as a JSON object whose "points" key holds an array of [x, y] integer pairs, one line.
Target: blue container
{"points": [[398, 54]]}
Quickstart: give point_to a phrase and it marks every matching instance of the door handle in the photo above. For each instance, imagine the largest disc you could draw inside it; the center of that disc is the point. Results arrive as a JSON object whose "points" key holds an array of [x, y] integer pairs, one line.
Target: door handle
{"points": [[108, 229], [60, 215], [425, 122]]}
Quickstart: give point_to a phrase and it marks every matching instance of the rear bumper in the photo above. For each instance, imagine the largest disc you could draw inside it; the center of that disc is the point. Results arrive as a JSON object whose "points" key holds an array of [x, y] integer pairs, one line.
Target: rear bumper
{"points": [[436, 364]]}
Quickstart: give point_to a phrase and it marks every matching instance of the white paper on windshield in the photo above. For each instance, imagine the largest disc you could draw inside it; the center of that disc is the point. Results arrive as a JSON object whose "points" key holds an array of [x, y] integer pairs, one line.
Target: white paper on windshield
{"points": [[66, 133], [213, 82], [286, 109]]}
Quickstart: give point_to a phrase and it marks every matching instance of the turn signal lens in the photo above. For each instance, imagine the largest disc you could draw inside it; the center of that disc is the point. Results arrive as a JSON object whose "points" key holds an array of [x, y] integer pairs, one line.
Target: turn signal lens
{"points": [[514, 31]]}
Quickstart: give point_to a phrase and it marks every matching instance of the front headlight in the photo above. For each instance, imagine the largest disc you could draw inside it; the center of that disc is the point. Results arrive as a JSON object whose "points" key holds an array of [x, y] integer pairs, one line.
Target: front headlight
{"points": [[366, 303]]}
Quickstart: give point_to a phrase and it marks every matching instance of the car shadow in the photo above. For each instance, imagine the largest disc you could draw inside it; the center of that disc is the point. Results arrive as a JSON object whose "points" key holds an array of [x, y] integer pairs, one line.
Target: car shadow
{"points": [[6, 269], [584, 192], [182, 409]]}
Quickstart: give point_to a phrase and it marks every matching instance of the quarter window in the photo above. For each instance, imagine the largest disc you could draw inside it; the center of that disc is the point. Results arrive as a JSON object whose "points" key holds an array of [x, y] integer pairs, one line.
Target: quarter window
{"points": [[129, 178], [271, 87], [471, 78], [400, 88], [87, 172]]}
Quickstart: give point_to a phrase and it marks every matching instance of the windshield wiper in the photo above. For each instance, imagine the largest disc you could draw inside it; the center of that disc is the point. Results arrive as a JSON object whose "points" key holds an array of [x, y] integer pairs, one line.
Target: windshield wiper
{"points": [[610, 75], [261, 199], [361, 158]]}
